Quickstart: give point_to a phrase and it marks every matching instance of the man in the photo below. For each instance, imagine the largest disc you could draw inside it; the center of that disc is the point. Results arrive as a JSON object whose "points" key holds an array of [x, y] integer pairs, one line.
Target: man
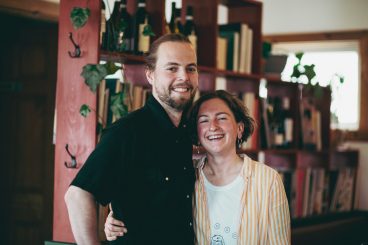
{"points": [[142, 165]]}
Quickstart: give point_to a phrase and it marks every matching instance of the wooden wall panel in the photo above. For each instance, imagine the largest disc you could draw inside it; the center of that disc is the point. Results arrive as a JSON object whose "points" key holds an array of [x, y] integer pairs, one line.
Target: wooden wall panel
{"points": [[72, 129]]}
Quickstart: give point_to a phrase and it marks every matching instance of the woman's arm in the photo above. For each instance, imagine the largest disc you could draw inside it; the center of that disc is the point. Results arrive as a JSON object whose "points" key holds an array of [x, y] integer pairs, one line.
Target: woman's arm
{"points": [[279, 216]]}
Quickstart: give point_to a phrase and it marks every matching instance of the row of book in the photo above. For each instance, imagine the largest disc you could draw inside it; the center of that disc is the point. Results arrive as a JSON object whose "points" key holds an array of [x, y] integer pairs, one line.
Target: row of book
{"points": [[315, 191], [311, 125], [277, 123], [234, 47]]}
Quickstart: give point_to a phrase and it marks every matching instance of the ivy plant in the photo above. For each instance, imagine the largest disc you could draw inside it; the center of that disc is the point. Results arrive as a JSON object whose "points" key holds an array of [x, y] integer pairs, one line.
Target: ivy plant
{"points": [[93, 74], [79, 17], [302, 72], [147, 31]]}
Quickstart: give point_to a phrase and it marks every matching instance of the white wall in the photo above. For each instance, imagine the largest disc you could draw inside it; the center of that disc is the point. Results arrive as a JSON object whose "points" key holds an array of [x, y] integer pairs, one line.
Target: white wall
{"points": [[301, 16]]}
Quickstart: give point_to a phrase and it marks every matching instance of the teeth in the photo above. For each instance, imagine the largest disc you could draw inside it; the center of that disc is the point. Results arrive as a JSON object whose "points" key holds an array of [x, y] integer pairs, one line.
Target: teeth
{"points": [[180, 89], [214, 137]]}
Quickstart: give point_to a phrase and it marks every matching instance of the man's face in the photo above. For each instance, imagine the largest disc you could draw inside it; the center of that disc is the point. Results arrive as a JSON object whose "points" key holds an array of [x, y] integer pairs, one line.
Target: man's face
{"points": [[175, 78]]}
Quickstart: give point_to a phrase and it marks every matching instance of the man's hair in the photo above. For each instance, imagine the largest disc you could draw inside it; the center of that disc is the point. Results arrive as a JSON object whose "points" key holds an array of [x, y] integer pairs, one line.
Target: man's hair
{"points": [[236, 106], [151, 57]]}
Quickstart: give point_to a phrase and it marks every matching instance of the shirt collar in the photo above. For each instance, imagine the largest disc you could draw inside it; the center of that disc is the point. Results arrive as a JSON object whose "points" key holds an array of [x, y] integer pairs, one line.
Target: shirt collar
{"points": [[161, 115]]}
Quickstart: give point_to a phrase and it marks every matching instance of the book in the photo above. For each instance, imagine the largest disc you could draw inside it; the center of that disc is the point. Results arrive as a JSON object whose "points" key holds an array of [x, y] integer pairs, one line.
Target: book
{"points": [[252, 104], [248, 51], [221, 53], [307, 190], [220, 83], [243, 30], [300, 186], [232, 53]]}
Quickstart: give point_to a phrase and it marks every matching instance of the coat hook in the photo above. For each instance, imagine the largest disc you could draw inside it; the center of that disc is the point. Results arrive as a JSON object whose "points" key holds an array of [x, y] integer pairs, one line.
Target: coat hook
{"points": [[72, 164], [77, 51]]}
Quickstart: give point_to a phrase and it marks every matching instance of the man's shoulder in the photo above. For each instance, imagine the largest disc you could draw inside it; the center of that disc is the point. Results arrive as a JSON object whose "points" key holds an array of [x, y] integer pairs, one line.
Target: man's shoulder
{"points": [[130, 121]]}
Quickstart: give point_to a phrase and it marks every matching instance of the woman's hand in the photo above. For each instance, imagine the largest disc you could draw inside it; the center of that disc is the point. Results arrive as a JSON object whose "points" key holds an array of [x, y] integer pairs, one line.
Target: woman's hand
{"points": [[114, 228]]}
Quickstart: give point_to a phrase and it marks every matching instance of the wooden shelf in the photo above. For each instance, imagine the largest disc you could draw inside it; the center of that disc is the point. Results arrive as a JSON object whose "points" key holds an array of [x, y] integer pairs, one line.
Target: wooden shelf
{"points": [[121, 57]]}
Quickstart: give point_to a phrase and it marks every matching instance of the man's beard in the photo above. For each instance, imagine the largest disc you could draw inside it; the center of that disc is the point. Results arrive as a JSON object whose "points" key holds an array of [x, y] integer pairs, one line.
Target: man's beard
{"points": [[177, 104]]}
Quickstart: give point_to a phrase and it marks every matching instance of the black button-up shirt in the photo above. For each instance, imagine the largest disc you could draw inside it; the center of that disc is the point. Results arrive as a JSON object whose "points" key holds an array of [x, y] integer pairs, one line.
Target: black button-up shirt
{"points": [[143, 166]]}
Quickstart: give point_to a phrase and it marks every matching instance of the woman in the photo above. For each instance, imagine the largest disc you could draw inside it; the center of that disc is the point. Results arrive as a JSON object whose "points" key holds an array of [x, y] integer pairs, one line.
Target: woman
{"points": [[237, 200]]}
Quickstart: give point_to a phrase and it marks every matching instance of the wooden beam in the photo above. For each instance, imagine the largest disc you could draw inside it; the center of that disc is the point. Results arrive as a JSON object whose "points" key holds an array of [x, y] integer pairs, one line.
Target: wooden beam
{"points": [[318, 36], [71, 92], [363, 123], [35, 9]]}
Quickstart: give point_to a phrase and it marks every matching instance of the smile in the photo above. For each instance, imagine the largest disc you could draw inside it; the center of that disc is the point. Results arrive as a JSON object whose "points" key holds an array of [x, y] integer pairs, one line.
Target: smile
{"points": [[181, 89], [215, 137]]}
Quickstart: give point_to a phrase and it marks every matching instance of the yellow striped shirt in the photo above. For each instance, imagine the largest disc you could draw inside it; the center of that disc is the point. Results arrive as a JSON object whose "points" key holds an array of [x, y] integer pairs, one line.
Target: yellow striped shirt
{"points": [[265, 217]]}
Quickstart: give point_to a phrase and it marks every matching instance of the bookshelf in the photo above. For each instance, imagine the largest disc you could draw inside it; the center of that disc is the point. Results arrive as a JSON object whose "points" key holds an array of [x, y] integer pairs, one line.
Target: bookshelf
{"points": [[289, 159]]}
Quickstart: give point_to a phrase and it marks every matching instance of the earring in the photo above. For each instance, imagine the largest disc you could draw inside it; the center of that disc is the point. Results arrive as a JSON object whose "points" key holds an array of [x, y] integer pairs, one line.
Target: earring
{"points": [[239, 142], [197, 147]]}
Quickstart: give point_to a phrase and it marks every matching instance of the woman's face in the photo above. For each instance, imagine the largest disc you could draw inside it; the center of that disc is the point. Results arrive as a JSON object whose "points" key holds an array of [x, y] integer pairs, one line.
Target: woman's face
{"points": [[217, 128]]}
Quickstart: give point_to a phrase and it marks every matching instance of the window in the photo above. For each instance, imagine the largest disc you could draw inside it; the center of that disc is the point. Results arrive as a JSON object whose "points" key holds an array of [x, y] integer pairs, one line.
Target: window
{"points": [[331, 59]]}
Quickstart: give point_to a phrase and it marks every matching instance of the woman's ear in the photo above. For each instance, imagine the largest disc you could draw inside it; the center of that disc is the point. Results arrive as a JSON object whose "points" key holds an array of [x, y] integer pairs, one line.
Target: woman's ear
{"points": [[149, 76]]}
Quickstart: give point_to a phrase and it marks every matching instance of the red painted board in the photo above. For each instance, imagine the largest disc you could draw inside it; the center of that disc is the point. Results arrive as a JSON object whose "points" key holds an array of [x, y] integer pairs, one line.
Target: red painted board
{"points": [[71, 92]]}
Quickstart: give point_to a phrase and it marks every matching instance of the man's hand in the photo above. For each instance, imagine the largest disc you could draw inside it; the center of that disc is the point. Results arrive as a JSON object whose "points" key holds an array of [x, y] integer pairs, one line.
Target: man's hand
{"points": [[114, 228]]}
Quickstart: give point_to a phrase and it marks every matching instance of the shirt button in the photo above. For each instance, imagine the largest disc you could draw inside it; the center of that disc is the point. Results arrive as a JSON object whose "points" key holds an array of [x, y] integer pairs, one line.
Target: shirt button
{"points": [[176, 141], [167, 178], [185, 168], [190, 223], [188, 196]]}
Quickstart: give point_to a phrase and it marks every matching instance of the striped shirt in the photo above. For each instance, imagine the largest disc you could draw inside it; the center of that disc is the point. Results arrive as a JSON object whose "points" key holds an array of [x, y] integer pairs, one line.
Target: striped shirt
{"points": [[264, 217]]}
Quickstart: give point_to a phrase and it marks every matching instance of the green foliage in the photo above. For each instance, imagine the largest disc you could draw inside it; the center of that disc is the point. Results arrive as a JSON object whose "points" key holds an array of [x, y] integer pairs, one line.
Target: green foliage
{"points": [[118, 107], [123, 25], [147, 31], [79, 17], [84, 110], [111, 68], [309, 72], [300, 70], [94, 73]]}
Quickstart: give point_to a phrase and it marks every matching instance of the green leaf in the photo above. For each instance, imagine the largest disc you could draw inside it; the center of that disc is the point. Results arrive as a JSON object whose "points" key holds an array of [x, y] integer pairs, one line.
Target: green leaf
{"points": [[299, 56], [296, 72], [84, 110], [93, 74], [79, 17], [309, 72], [111, 68], [147, 31], [123, 25], [118, 108]]}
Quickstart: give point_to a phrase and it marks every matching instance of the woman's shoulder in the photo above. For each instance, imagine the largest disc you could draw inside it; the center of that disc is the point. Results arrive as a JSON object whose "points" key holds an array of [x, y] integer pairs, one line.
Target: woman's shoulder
{"points": [[262, 170]]}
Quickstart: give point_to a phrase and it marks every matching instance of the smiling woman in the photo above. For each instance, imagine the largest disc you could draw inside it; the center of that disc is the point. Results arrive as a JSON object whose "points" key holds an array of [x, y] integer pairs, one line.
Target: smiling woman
{"points": [[234, 195]]}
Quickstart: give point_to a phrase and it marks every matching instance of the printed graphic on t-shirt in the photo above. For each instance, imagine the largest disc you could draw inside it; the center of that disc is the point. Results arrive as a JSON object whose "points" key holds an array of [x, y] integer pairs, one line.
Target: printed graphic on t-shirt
{"points": [[222, 234], [217, 240]]}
